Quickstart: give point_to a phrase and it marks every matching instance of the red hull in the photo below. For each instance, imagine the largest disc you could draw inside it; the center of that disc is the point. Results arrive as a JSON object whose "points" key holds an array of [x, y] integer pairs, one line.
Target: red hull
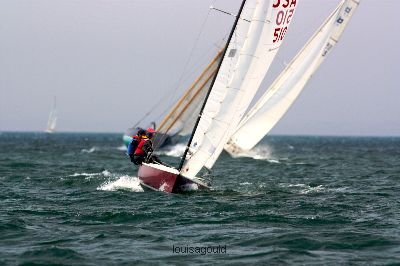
{"points": [[157, 179], [166, 179]]}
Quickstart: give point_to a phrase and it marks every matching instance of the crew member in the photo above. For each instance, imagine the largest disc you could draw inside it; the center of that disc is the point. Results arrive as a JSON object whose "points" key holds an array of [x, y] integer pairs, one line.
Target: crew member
{"points": [[135, 143], [144, 151]]}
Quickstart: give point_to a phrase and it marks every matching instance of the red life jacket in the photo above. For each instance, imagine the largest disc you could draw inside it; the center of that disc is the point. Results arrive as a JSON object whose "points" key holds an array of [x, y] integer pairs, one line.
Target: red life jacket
{"points": [[139, 150], [133, 144]]}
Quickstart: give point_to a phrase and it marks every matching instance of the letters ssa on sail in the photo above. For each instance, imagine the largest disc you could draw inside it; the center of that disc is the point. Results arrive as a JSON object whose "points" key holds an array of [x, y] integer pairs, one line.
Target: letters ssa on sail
{"points": [[283, 17]]}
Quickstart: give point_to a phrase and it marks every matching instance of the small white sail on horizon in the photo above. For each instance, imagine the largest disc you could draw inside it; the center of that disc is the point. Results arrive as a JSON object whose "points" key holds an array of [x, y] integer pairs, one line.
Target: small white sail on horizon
{"points": [[278, 98], [52, 121]]}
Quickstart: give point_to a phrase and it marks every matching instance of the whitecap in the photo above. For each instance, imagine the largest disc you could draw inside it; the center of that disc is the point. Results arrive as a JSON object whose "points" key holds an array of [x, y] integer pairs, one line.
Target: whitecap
{"points": [[258, 153], [312, 189], [85, 174], [91, 150], [175, 150], [123, 182], [105, 173], [189, 187], [122, 148], [339, 189], [304, 189], [294, 185]]}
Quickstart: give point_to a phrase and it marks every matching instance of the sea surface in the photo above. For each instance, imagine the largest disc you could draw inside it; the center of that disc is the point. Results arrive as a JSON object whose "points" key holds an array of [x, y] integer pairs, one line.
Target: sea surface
{"points": [[74, 199]]}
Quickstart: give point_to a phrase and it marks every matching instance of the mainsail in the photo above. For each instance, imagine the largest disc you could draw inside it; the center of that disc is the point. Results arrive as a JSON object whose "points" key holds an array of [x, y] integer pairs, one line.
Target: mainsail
{"points": [[252, 46], [52, 121], [270, 108], [182, 116]]}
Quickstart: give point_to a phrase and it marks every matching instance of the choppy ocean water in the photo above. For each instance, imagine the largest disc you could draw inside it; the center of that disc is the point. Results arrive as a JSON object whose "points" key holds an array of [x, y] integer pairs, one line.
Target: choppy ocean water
{"points": [[74, 199]]}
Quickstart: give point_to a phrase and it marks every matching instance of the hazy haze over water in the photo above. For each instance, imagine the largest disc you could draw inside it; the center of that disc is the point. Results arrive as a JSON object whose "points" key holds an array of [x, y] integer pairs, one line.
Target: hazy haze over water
{"points": [[97, 57]]}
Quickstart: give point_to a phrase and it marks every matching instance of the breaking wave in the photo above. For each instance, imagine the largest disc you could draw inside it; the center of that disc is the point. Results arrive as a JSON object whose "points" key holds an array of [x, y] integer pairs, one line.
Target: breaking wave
{"points": [[104, 173], [91, 150], [122, 183], [175, 150]]}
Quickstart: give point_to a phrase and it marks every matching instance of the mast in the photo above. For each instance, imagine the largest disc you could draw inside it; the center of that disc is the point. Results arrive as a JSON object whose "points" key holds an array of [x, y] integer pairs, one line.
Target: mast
{"points": [[211, 86], [188, 104]]}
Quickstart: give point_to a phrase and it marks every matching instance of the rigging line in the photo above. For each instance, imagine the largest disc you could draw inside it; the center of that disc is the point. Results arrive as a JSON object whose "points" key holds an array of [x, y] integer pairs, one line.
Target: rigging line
{"points": [[181, 77], [162, 98], [211, 86], [204, 55], [230, 14], [209, 53], [192, 51], [148, 112], [180, 80]]}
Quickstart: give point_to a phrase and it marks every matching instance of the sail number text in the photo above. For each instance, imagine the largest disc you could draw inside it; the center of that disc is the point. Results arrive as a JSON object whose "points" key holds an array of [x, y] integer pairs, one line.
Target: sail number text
{"points": [[283, 17]]}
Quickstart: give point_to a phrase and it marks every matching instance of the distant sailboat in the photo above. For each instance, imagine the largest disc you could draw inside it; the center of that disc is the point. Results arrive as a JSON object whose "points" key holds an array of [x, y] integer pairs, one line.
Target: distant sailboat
{"points": [[255, 39], [52, 122], [278, 98]]}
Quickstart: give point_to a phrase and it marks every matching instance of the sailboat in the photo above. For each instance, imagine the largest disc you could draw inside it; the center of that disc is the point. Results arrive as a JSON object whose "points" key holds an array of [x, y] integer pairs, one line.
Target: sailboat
{"points": [[182, 116], [285, 89], [52, 121], [254, 40]]}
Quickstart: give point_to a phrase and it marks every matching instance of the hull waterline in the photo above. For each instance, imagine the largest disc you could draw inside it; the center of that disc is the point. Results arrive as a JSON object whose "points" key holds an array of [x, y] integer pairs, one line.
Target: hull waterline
{"points": [[167, 179]]}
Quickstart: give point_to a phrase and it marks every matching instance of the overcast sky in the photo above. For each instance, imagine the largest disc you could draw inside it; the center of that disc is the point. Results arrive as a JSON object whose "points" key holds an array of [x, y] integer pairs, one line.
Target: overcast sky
{"points": [[109, 62]]}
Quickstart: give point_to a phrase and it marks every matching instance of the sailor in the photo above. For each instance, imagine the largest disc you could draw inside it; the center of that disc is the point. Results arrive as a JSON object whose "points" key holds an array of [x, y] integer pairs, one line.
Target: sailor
{"points": [[144, 150], [135, 142]]}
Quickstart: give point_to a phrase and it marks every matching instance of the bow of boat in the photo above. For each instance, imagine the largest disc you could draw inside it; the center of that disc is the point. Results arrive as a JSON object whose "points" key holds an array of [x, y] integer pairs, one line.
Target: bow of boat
{"points": [[167, 179]]}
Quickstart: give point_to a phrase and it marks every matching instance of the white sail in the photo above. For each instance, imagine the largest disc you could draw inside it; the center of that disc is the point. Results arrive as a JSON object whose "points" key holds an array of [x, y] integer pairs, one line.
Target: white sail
{"points": [[52, 121], [285, 89], [256, 39]]}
